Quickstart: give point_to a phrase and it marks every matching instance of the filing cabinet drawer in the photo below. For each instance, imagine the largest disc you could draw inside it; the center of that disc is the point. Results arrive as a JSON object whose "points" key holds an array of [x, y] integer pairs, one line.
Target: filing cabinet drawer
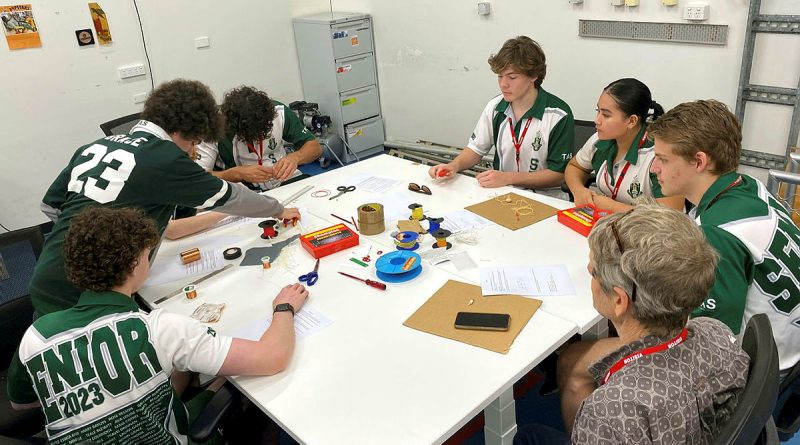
{"points": [[364, 135], [355, 72], [351, 38], [359, 104]]}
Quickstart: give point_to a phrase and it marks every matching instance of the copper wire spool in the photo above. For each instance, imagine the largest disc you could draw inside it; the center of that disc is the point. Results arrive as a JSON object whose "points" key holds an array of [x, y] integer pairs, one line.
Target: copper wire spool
{"points": [[190, 291], [190, 256]]}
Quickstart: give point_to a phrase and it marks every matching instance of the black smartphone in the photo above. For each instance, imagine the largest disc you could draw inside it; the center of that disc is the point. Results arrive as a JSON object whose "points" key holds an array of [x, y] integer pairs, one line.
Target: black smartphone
{"points": [[482, 321]]}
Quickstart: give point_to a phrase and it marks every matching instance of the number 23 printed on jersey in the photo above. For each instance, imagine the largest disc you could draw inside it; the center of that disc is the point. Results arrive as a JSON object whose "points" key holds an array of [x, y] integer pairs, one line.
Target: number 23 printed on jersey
{"points": [[119, 165]]}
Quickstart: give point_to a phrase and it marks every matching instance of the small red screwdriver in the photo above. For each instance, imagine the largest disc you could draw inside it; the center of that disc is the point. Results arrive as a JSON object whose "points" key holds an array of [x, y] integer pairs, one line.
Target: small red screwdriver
{"points": [[375, 284]]}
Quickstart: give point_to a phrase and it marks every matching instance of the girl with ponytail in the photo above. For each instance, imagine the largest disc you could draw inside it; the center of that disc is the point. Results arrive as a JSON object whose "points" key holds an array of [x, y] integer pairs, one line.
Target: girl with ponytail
{"points": [[620, 153]]}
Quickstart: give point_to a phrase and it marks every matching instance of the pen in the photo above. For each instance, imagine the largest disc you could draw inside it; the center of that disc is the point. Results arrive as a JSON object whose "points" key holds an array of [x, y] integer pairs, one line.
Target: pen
{"points": [[354, 222], [341, 219], [375, 284]]}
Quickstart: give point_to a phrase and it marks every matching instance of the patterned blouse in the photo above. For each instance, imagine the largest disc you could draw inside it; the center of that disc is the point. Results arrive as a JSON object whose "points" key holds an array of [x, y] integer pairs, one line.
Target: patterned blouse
{"points": [[679, 396]]}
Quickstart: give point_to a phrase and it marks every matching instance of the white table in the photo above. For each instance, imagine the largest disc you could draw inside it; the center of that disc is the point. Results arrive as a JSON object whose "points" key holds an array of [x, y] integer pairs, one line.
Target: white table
{"points": [[367, 378], [546, 242]]}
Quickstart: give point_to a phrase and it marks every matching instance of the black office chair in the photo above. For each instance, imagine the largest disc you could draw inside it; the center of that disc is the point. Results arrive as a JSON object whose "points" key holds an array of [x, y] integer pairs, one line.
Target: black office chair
{"points": [[751, 421], [583, 131], [120, 125], [224, 404], [19, 251], [787, 410]]}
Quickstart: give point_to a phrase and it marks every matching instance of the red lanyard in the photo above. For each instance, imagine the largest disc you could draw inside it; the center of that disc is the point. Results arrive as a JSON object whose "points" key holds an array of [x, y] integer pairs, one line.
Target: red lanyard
{"points": [[615, 190], [518, 143], [260, 152], [730, 186], [630, 358]]}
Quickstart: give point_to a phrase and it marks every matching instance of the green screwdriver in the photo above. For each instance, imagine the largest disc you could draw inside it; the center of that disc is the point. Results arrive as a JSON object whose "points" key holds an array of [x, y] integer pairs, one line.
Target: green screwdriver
{"points": [[375, 284]]}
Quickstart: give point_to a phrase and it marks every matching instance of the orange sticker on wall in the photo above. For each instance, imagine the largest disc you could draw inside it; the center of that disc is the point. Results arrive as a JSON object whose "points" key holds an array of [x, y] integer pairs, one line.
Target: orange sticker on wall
{"points": [[100, 24], [20, 27]]}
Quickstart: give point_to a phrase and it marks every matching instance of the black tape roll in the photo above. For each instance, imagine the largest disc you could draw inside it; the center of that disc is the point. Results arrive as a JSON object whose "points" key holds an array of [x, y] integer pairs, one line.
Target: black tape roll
{"points": [[232, 253]]}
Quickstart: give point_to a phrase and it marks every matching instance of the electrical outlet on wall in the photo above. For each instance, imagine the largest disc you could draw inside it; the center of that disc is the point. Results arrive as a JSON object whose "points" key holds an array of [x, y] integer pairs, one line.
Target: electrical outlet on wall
{"points": [[126, 72], [484, 8], [696, 11]]}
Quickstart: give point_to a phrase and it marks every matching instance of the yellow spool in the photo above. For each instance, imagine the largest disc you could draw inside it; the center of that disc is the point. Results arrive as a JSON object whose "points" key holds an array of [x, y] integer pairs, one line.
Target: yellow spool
{"points": [[417, 212]]}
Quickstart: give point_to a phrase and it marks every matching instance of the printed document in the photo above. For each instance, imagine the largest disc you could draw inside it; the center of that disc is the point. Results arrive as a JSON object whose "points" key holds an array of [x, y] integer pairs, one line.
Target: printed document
{"points": [[540, 281]]}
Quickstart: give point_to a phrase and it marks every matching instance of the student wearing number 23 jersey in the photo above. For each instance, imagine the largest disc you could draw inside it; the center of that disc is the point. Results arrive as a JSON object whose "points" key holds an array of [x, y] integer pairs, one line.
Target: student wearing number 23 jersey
{"points": [[150, 169], [101, 371], [697, 146], [531, 129]]}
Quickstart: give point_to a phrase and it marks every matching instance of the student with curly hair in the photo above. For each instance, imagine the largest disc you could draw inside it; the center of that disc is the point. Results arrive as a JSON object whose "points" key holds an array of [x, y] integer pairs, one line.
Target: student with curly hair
{"points": [[150, 169], [531, 130], [104, 364], [252, 151]]}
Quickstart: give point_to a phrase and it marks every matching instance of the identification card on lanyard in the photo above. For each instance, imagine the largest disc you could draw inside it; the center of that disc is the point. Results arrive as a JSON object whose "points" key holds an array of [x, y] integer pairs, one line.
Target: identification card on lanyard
{"points": [[618, 182], [518, 143], [630, 358], [260, 153]]}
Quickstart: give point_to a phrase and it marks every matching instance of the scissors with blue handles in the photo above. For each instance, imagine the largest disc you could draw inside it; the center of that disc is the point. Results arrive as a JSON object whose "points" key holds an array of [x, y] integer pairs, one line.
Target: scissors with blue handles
{"points": [[311, 277], [342, 190]]}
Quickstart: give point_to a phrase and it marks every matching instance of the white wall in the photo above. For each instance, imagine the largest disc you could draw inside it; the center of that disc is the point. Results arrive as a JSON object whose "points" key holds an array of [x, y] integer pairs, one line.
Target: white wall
{"points": [[54, 97], [435, 80], [432, 68]]}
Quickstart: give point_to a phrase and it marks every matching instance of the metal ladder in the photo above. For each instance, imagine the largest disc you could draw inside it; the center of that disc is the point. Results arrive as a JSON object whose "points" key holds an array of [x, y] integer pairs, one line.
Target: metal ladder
{"points": [[767, 23]]}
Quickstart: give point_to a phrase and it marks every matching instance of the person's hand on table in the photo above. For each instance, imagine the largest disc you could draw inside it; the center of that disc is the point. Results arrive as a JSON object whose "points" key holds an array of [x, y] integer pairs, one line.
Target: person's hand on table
{"points": [[294, 294], [603, 202], [254, 173], [583, 196], [442, 171], [492, 179], [290, 213]]}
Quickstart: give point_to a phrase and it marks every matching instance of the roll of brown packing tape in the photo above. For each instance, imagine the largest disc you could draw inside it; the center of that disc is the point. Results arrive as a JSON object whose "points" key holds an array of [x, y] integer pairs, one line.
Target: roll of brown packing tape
{"points": [[370, 219]]}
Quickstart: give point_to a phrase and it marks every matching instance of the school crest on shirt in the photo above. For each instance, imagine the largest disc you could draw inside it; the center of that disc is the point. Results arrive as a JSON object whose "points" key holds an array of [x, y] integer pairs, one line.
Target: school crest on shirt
{"points": [[537, 141], [473, 136], [635, 189], [272, 144]]}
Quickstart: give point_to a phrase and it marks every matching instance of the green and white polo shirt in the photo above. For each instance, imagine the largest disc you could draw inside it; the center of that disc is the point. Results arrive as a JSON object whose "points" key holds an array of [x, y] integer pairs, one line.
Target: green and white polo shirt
{"points": [[759, 268], [231, 152], [101, 370], [547, 144], [144, 170], [637, 180]]}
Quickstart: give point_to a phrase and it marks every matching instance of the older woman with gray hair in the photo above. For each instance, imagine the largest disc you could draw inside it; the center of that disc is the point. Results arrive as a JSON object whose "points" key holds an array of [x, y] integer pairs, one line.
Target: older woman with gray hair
{"points": [[664, 380]]}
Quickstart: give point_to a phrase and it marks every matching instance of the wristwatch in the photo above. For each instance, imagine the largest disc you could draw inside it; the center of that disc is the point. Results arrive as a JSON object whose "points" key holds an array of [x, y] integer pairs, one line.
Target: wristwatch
{"points": [[284, 307]]}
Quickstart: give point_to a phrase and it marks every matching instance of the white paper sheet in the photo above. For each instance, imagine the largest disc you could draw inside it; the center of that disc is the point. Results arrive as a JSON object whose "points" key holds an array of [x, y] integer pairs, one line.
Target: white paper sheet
{"points": [[527, 280], [166, 269], [306, 322], [233, 221], [395, 206], [463, 220], [371, 184]]}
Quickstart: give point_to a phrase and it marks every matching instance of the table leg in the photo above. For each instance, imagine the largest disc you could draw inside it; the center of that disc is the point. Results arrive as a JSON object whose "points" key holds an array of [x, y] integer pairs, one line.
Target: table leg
{"points": [[500, 419]]}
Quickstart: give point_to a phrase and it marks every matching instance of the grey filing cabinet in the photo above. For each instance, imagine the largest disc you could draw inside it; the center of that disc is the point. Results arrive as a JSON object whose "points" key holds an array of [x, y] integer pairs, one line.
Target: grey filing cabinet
{"points": [[337, 67]]}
